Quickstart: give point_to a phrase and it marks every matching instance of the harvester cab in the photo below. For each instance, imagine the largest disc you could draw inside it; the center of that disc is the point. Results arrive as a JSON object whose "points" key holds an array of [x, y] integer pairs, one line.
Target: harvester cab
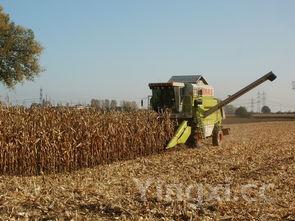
{"points": [[197, 112], [180, 93]]}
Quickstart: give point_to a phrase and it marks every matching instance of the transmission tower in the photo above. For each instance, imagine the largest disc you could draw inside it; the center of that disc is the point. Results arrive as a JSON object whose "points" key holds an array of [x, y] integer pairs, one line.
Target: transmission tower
{"points": [[7, 99], [258, 102], [41, 96], [252, 105], [263, 99]]}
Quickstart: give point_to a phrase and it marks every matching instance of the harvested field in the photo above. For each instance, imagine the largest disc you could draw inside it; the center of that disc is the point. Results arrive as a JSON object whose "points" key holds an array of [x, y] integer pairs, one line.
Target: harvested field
{"points": [[257, 154], [50, 140], [232, 119]]}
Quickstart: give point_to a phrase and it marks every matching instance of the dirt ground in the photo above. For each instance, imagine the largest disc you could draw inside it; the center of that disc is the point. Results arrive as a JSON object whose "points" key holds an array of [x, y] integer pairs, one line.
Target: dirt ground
{"points": [[250, 177]]}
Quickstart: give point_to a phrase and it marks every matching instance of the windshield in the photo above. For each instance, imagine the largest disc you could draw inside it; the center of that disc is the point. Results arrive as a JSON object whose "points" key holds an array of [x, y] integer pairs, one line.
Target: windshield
{"points": [[163, 98]]}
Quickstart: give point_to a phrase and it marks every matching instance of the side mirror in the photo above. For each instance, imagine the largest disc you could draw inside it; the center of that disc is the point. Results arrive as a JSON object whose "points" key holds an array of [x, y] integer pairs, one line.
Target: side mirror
{"points": [[198, 102]]}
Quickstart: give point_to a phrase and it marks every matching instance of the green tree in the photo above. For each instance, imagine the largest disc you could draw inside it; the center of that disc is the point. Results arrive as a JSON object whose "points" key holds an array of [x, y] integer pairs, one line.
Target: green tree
{"points": [[113, 105], [265, 110], [230, 109], [106, 104], [242, 112], [19, 52], [129, 106], [95, 103]]}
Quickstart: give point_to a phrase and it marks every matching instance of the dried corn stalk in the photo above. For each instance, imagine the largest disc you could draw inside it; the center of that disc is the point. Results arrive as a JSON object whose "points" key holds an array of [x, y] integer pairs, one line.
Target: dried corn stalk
{"points": [[52, 140]]}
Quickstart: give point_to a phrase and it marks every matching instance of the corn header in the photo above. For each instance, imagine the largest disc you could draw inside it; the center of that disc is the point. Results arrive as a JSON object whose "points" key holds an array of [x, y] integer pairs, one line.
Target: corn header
{"points": [[198, 113]]}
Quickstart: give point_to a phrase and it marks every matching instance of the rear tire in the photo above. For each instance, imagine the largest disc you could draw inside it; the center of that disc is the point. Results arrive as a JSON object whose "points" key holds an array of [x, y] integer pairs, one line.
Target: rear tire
{"points": [[217, 136]]}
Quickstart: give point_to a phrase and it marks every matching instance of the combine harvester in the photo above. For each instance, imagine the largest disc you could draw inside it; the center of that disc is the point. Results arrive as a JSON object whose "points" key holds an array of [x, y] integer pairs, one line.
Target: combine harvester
{"points": [[192, 103]]}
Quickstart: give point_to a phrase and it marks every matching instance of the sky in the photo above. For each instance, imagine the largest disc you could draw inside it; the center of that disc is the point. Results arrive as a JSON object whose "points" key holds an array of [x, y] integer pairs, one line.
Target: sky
{"points": [[112, 49]]}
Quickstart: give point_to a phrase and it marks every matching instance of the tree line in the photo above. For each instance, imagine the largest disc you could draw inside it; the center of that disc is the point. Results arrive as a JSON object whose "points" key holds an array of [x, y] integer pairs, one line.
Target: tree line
{"points": [[98, 104], [242, 111], [108, 105]]}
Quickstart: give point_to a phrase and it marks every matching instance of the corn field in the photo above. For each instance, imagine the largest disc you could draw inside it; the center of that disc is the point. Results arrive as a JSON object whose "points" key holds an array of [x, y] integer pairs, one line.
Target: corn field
{"points": [[51, 140]]}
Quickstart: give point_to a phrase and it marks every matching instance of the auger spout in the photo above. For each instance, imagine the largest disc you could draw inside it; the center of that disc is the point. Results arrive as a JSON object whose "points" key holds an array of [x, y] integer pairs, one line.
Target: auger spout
{"points": [[270, 76]]}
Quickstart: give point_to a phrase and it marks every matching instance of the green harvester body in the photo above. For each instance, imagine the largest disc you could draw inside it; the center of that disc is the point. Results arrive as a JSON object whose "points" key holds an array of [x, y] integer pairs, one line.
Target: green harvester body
{"points": [[197, 111]]}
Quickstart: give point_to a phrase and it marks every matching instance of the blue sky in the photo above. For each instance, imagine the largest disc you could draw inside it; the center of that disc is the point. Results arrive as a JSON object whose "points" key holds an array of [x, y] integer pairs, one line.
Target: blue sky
{"points": [[113, 49]]}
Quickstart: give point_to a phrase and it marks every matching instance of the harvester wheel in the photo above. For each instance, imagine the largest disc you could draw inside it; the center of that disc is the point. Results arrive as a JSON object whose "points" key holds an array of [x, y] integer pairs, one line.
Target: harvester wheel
{"points": [[217, 136]]}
